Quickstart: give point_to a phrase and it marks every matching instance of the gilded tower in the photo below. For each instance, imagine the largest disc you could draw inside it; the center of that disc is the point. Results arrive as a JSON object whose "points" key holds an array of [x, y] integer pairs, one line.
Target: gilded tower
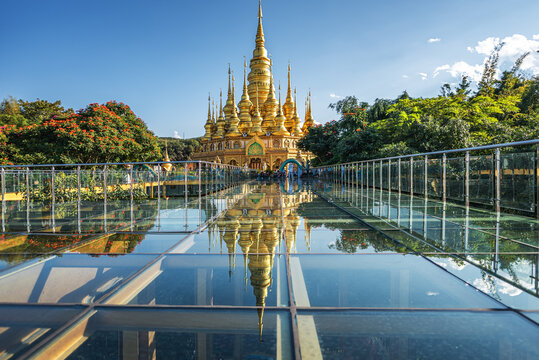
{"points": [[259, 132]]}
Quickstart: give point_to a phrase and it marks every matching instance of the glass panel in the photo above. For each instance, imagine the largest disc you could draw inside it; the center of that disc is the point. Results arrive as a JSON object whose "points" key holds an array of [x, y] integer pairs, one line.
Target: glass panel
{"points": [[22, 326], [434, 177], [419, 176], [455, 174], [399, 281], [482, 179], [395, 175], [385, 173], [68, 278], [405, 175], [518, 181], [185, 334], [256, 279], [417, 335]]}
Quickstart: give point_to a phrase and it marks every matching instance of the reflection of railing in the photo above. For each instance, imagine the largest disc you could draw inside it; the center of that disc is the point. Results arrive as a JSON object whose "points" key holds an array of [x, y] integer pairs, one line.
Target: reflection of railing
{"points": [[508, 179]]}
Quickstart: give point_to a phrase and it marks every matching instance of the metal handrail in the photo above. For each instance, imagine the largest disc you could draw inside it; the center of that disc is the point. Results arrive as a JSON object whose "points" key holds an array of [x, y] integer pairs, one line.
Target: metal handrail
{"points": [[441, 152], [122, 163]]}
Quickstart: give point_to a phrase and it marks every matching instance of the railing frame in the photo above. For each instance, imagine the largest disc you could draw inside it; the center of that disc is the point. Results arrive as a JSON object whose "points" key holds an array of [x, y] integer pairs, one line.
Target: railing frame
{"points": [[334, 172]]}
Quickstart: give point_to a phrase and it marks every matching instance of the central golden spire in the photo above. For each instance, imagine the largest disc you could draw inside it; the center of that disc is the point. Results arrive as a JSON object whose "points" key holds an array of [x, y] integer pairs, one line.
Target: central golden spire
{"points": [[260, 65]]}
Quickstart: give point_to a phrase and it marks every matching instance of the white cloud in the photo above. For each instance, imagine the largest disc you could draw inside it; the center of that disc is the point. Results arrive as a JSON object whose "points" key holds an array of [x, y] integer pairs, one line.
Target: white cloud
{"points": [[433, 40], [333, 96], [459, 68], [423, 75], [177, 135], [405, 76], [515, 46], [440, 68]]}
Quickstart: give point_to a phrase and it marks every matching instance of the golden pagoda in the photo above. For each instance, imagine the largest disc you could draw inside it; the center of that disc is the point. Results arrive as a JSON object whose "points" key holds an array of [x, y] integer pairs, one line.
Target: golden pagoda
{"points": [[259, 132]]}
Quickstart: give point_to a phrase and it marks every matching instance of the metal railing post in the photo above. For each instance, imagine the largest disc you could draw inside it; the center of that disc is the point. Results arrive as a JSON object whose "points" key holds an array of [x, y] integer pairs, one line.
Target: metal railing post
{"points": [[105, 197], [186, 185], [537, 189], [389, 175], [78, 200], [399, 175], [53, 199], [426, 177], [444, 177], [362, 175], [373, 176], [411, 176], [199, 179], [467, 178], [131, 176], [3, 178], [498, 195], [381, 176], [27, 199], [158, 182]]}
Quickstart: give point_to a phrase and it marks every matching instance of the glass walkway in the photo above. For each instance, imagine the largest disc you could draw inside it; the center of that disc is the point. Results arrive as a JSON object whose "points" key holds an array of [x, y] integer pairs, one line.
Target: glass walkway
{"points": [[268, 270]]}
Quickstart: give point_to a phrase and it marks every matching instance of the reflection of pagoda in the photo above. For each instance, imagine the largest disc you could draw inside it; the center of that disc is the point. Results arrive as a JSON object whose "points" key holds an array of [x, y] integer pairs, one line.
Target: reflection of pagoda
{"points": [[255, 225]]}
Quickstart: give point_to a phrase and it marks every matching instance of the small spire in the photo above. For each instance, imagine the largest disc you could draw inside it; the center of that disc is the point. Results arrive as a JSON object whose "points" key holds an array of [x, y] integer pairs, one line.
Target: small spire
{"points": [[209, 107], [245, 75], [279, 97], [259, 31], [220, 103], [213, 111], [233, 94], [229, 91], [289, 87]]}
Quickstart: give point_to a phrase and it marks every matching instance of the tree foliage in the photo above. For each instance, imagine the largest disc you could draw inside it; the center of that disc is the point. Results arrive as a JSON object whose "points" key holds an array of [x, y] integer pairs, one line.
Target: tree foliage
{"points": [[109, 132], [500, 110], [178, 149]]}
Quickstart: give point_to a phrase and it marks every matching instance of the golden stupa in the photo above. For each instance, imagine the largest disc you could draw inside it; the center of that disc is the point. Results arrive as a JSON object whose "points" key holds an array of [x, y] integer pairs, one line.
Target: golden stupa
{"points": [[259, 132]]}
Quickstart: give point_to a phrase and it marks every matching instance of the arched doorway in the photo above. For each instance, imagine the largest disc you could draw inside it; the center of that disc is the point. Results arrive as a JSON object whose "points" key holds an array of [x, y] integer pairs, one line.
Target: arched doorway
{"points": [[255, 163], [291, 161]]}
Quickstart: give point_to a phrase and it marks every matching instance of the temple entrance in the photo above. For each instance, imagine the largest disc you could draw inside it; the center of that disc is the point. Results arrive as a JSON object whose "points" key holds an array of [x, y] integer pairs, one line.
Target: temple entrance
{"points": [[297, 164], [255, 163]]}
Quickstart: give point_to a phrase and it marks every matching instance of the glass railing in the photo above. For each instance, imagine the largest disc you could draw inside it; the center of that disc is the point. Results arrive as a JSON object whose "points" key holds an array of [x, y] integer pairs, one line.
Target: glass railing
{"points": [[500, 177], [83, 198]]}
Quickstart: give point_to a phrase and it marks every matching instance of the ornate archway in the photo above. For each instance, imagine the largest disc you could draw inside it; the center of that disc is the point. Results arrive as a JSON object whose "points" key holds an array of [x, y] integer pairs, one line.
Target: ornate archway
{"points": [[289, 161]]}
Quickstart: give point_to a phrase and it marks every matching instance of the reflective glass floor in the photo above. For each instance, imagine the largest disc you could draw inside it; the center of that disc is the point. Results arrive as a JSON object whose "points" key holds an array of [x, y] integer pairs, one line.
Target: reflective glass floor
{"points": [[268, 271]]}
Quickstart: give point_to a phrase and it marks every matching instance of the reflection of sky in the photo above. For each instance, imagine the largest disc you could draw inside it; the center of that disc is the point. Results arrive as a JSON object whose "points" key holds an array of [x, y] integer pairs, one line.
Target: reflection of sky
{"points": [[501, 290]]}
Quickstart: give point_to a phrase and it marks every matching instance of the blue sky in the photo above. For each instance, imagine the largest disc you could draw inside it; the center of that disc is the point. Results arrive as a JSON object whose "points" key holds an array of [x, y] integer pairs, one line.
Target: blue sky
{"points": [[163, 57]]}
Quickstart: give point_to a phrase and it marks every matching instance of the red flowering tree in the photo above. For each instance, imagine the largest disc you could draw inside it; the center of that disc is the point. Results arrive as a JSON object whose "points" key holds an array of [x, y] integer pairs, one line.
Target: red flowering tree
{"points": [[99, 133]]}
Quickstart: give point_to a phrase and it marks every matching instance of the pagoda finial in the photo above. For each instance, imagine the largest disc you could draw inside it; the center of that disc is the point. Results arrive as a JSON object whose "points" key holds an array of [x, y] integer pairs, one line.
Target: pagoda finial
{"points": [[233, 93], [288, 106], [220, 103], [288, 94], [229, 89], [228, 106], [209, 107], [296, 120], [245, 75], [260, 30], [279, 111]]}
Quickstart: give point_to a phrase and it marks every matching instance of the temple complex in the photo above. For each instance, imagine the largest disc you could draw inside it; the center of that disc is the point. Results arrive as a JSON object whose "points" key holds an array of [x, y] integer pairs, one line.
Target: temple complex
{"points": [[260, 131]]}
